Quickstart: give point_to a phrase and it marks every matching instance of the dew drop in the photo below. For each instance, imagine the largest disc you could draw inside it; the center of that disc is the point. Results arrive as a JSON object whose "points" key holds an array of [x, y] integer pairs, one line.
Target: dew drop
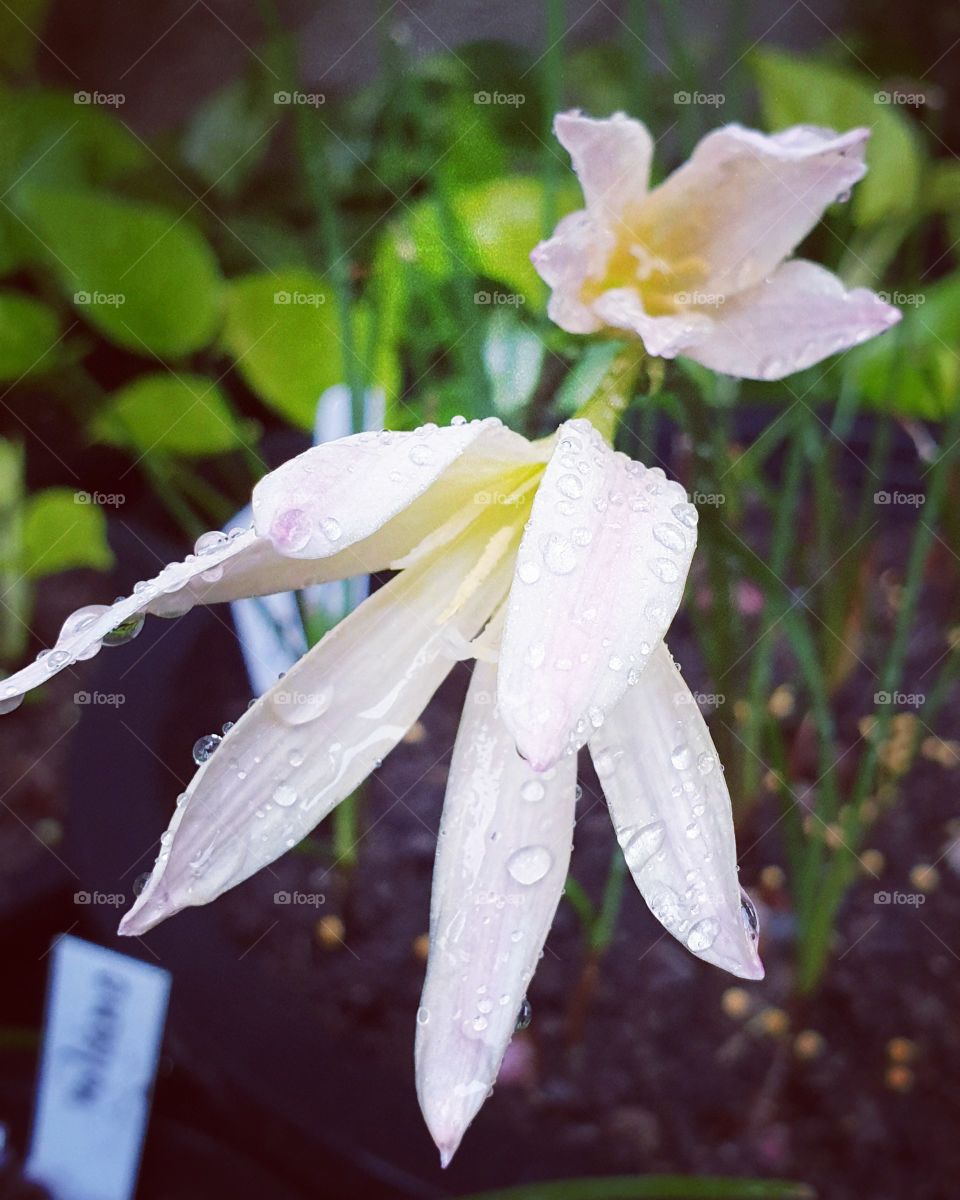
{"points": [[421, 454], [686, 514], [206, 543], [285, 795], [640, 845], [703, 934], [680, 757], [665, 569], [291, 530], [533, 790], [330, 528], [10, 703], [749, 917], [670, 536], [705, 763], [524, 1016], [529, 865], [204, 747], [558, 554], [528, 572], [423, 1015], [571, 486]]}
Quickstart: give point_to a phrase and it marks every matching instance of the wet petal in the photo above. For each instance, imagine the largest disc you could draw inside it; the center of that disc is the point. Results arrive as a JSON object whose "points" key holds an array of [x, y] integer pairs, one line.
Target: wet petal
{"points": [[671, 810], [599, 576], [662, 336], [611, 157], [310, 740], [501, 865], [745, 200], [85, 631], [340, 493], [577, 252], [797, 317]]}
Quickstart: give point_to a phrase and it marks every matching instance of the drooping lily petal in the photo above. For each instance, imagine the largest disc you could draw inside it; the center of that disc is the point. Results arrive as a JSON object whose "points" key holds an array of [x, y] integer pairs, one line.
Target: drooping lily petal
{"points": [[745, 200], [599, 576], [310, 740], [792, 320], [671, 810], [501, 865]]}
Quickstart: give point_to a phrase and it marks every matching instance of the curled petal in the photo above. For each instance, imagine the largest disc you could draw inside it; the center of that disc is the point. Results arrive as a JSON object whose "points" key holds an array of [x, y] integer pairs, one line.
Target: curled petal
{"points": [[792, 320], [339, 493], [501, 865], [599, 576], [576, 253], [320, 730], [671, 811], [611, 158], [745, 200]]}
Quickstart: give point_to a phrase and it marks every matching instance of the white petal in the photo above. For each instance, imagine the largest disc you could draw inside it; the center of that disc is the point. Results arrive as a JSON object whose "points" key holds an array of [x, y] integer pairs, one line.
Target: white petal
{"points": [[501, 865], [745, 200], [797, 317], [83, 632], [671, 810], [577, 252], [663, 336], [310, 740], [611, 157], [340, 493], [599, 575]]}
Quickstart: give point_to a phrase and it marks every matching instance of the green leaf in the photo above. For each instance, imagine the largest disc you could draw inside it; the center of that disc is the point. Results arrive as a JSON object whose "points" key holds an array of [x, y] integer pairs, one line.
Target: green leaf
{"points": [[913, 370], [513, 358], [502, 222], [28, 331], [803, 91], [653, 1187], [284, 334], [61, 530], [179, 414], [49, 138], [142, 275]]}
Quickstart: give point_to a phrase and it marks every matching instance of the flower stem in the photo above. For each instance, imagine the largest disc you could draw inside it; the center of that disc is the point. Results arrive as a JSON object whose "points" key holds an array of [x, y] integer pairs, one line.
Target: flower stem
{"points": [[612, 397]]}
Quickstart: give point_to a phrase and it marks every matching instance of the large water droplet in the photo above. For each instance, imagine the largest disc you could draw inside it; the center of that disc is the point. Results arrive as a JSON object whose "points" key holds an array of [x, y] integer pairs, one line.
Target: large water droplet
{"points": [[665, 569], [703, 934], [670, 536], [533, 790], [571, 486], [528, 572], [749, 917], [680, 757], [330, 528], [529, 865], [206, 543], [294, 707], [291, 530], [524, 1016], [285, 795], [126, 631], [204, 747]]}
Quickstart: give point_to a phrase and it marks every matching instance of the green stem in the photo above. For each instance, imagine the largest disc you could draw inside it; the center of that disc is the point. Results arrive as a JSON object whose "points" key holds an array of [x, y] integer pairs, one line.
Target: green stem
{"points": [[610, 401]]}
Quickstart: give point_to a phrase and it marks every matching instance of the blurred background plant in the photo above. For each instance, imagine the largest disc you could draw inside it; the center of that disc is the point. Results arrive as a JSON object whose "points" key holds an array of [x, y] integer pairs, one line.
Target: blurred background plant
{"points": [[173, 306]]}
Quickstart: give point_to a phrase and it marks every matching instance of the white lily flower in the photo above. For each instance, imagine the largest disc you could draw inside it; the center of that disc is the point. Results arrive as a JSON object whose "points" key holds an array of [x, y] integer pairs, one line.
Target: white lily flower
{"points": [[559, 564], [696, 266]]}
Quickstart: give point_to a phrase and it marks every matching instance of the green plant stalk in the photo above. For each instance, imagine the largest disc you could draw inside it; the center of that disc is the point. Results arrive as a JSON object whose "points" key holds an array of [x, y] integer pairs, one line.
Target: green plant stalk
{"points": [[576, 896], [346, 831], [553, 103], [313, 165], [605, 924], [16, 592], [815, 948], [784, 532]]}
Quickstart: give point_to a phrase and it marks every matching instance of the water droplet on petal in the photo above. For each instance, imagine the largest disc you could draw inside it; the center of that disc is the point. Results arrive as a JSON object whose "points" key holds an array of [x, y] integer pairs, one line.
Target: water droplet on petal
{"points": [[670, 536], [291, 530], [529, 865], [749, 917], [705, 763], [528, 572], [680, 757], [665, 570], [285, 795], [686, 514], [206, 543], [10, 703], [330, 528], [571, 486], [640, 845], [421, 454], [533, 790], [204, 747], [703, 934], [524, 1016], [558, 554]]}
